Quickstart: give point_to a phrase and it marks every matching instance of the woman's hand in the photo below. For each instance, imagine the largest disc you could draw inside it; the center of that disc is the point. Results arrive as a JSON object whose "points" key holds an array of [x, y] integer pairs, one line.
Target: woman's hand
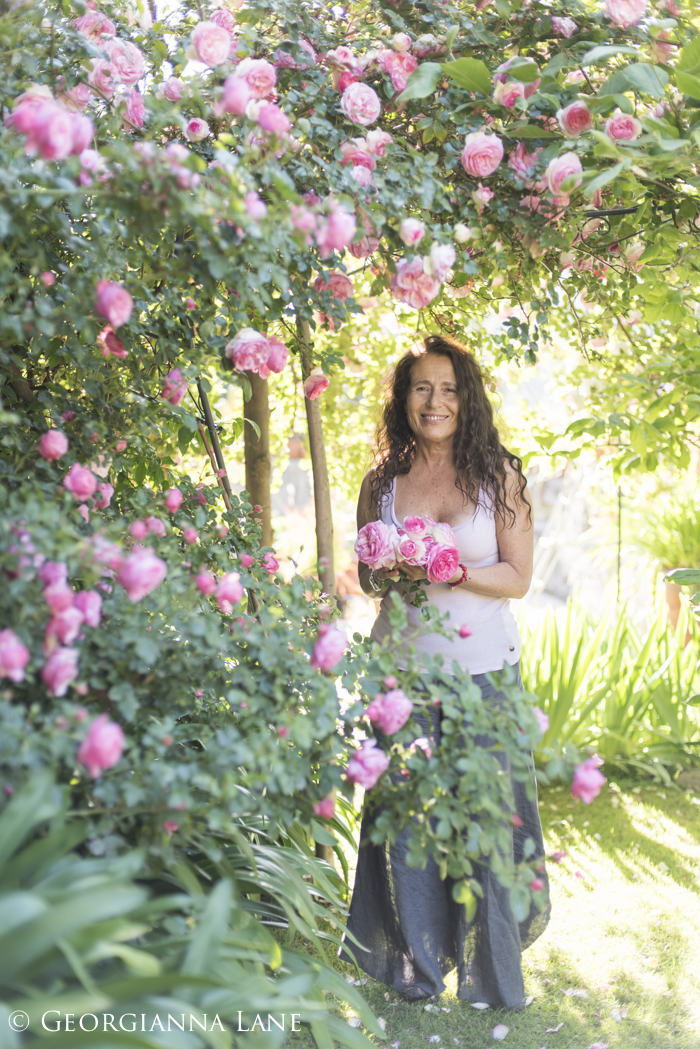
{"points": [[383, 575], [414, 572]]}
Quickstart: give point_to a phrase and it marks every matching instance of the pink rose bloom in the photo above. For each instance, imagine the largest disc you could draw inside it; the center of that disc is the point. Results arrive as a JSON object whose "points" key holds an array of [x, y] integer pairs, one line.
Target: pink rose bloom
{"points": [[81, 482], [59, 670], [412, 550], [196, 129], [76, 98], [173, 89], [255, 207], [270, 563], [482, 154], [465, 631], [410, 284], [568, 165], [316, 384], [440, 261], [443, 562], [354, 154], [113, 302], [128, 62], [190, 535], [89, 604], [141, 572], [633, 252], [106, 553], [360, 103], [49, 129], [155, 525], [625, 13], [659, 50], [53, 572], [417, 526], [329, 649], [507, 93], [303, 220], [174, 387], [110, 343], [229, 591], [278, 356], [335, 232], [575, 119], [14, 656], [411, 231], [47, 278], [338, 284], [273, 119], [376, 545], [103, 77], [206, 583], [247, 560], [542, 720], [237, 95], [66, 625], [390, 712], [565, 27], [367, 764], [83, 132], [52, 445], [135, 112], [364, 247], [621, 127], [95, 26], [587, 781], [211, 43], [225, 19], [84, 513], [377, 141], [106, 491], [398, 65], [249, 350], [173, 500], [324, 808], [259, 75], [102, 747]]}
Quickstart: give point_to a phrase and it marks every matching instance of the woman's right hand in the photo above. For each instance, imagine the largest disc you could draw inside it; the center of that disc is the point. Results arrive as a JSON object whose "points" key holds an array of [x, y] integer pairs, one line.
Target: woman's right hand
{"points": [[383, 575]]}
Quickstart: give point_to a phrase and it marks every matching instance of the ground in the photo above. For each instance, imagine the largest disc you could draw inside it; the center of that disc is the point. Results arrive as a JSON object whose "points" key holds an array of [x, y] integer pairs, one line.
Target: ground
{"points": [[619, 965]]}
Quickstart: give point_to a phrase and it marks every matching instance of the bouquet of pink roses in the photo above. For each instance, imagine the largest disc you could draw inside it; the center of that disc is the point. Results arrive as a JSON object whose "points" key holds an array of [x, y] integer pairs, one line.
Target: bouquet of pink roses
{"points": [[421, 541]]}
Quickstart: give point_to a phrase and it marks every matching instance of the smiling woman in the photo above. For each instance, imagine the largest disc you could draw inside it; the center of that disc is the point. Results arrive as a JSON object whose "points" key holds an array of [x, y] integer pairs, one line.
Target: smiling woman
{"points": [[440, 459]]}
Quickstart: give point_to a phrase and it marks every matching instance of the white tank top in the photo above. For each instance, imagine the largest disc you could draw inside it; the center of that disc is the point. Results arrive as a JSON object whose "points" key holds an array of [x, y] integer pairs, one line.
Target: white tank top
{"points": [[495, 639]]}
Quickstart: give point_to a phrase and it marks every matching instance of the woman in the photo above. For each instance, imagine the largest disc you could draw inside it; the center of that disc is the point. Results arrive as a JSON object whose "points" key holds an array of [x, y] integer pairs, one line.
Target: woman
{"points": [[440, 456]]}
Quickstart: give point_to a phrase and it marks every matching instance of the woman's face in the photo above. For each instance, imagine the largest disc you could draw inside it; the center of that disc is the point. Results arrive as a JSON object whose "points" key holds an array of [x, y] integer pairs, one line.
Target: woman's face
{"points": [[432, 405]]}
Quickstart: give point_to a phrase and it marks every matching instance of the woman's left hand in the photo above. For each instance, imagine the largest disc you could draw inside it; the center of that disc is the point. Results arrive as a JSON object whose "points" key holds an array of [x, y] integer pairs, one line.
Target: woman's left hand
{"points": [[414, 572]]}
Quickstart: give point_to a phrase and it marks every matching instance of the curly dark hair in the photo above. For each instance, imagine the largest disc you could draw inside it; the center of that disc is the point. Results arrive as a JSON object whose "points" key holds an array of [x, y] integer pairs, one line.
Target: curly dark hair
{"points": [[478, 453]]}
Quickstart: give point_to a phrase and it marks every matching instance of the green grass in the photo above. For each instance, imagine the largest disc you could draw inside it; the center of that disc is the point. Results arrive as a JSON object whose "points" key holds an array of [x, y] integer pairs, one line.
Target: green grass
{"points": [[628, 934]]}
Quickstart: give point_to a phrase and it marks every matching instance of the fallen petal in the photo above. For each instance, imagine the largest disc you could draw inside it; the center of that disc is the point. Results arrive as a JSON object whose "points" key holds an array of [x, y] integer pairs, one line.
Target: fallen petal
{"points": [[382, 1022], [429, 1008], [355, 1021], [500, 1031], [553, 1030], [479, 1005], [530, 999]]}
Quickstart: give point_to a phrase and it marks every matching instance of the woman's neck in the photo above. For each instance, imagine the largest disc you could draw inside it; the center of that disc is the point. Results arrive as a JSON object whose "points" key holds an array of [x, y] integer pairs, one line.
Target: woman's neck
{"points": [[438, 456]]}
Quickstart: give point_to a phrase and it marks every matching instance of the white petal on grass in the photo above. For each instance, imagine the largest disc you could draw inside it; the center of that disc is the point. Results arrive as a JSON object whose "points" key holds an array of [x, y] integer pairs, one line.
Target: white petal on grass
{"points": [[499, 1032], [619, 1014], [361, 983], [382, 1022], [479, 1005], [445, 1010], [530, 999], [553, 1030], [663, 867], [429, 1008], [395, 1045], [434, 1038]]}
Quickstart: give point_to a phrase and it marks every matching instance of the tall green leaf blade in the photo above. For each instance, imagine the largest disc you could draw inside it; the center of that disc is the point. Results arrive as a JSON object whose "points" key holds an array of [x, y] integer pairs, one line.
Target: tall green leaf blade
{"points": [[24, 812]]}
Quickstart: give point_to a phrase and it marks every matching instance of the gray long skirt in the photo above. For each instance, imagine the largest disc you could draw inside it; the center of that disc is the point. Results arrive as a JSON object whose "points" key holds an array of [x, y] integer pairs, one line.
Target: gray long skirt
{"points": [[414, 933]]}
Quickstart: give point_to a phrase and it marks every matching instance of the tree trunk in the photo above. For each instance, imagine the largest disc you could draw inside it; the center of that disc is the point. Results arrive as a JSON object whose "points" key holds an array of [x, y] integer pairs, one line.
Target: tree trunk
{"points": [[322, 488], [257, 454]]}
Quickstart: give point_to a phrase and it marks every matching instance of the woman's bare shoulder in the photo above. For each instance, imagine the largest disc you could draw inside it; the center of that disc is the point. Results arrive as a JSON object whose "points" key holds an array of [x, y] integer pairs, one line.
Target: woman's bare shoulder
{"points": [[365, 502]]}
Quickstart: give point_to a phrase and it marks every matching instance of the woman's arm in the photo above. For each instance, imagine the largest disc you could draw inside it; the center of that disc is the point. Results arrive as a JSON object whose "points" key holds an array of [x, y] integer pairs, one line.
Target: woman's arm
{"points": [[512, 575], [366, 513]]}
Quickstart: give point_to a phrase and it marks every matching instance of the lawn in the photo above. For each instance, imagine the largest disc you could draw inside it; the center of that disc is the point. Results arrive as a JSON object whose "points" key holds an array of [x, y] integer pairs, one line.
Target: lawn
{"points": [[619, 964]]}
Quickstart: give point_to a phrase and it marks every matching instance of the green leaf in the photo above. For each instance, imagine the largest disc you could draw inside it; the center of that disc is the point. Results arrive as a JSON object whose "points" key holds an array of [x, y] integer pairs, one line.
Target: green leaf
{"points": [[684, 576], [203, 952], [523, 71], [470, 73], [599, 54], [23, 812], [603, 178], [529, 131], [422, 82], [694, 701], [462, 893], [616, 84], [650, 80], [637, 439], [688, 84], [689, 58]]}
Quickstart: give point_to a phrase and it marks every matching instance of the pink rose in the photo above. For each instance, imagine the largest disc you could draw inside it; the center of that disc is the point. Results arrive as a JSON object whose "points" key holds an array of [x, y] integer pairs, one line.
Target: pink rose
{"points": [[659, 50], [113, 302], [47, 278], [48, 127], [278, 356], [377, 141], [205, 583], [141, 572], [211, 43], [52, 445], [273, 119], [65, 625], [138, 529], [401, 42], [53, 572], [174, 387], [465, 631], [270, 563], [411, 231], [95, 26], [633, 252], [155, 525], [81, 482], [354, 154], [329, 649], [625, 13], [335, 232], [173, 89], [568, 165], [229, 591], [360, 103], [324, 808], [565, 27], [587, 781], [103, 77], [237, 95], [76, 98], [367, 764], [106, 491], [316, 384], [505, 94], [127, 60], [190, 535], [410, 284], [259, 75], [249, 350], [481, 197], [196, 129], [391, 711], [59, 670], [338, 284], [255, 207], [102, 747], [303, 220], [135, 112], [398, 65], [440, 261], [364, 247], [376, 545], [89, 604], [482, 154], [417, 526], [575, 119], [542, 720], [173, 500], [110, 343], [442, 563], [14, 656], [247, 560], [621, 127], [412, 550], [225, 19]]}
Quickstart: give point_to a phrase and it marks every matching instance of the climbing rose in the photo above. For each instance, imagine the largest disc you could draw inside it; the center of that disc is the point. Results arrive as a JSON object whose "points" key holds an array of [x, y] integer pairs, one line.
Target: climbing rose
{"points": [[173, 89], [225, 19], [587, 780], [270, 563], [14, 656], [360, 103], [141, 572], [410, 284], [377, 141], [335, 232], [278, 356], [80, 481], [58, 596], [102, 77], [561, 168], [155, 525], [190, 535], [135, 112], [324, 808], [249, 350], [196, 129], [440, 261], [338, 284], [329, 648], [255, 207], [237, 95], [53, 445], [95, 26], [316, 384], [59, 670], [398, 65], [53, 572], [211, 43], [411, 231], [522, 162], [443, 562], [259, 75], [206, 583], [89, 603], [625, 13], [106, 491], [391, 711], [113, 302], [542, 719], [273, 119], [575, 119], [127, 61], [621, 127], [229, 591], [507, 94], [367, 764], [173, 500], [465, 631], [66, 625], [375, 545], [102, 747], [111, 344], [174, 387], [482, 154]]}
